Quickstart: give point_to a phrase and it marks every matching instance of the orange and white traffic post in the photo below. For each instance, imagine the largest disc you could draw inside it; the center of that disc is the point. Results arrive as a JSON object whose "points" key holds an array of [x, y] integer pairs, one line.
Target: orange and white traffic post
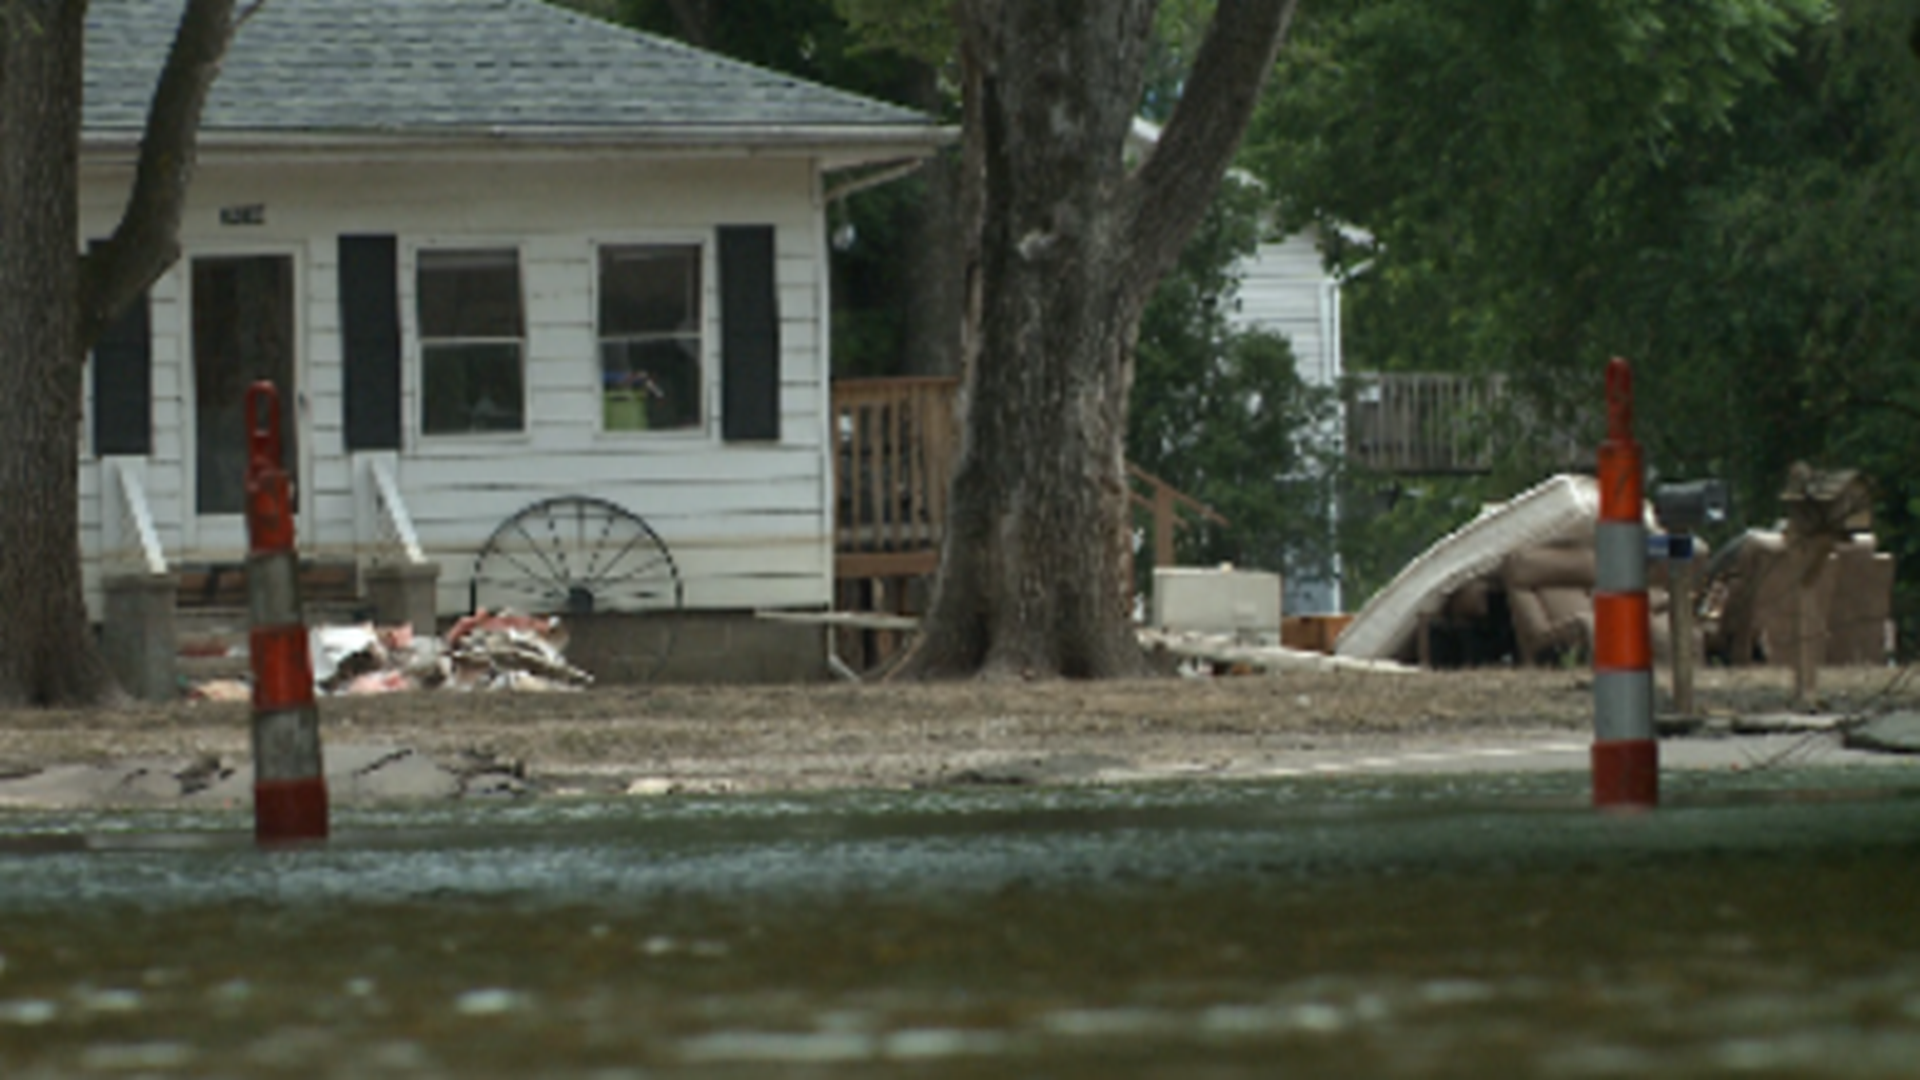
{"points": [[289, 784], [1626, 755]]}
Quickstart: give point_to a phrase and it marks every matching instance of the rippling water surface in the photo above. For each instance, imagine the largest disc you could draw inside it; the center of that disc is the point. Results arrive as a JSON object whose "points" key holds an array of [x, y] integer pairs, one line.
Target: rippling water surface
{"points": [[1758, 925]]}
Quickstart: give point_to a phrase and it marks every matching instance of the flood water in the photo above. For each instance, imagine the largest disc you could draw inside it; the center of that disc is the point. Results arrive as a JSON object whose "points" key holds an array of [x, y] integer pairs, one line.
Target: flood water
{"points": [[1758, 925]]}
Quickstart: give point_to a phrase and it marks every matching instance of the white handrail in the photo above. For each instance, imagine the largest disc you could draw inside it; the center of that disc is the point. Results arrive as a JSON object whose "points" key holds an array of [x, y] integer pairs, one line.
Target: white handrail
{"points": [[393, 510], [133, 501]]}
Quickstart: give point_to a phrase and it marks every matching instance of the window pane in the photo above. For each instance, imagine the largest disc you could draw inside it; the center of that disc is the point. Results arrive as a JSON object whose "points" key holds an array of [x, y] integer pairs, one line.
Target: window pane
{"points": [[470, 294], [651, 385], [474, 387], [649, 290]]}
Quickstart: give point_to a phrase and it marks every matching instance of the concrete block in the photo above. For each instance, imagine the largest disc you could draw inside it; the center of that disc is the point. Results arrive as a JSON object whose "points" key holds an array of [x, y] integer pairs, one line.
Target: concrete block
{"points": [[137, 634], [707, 647], [403, 593]]}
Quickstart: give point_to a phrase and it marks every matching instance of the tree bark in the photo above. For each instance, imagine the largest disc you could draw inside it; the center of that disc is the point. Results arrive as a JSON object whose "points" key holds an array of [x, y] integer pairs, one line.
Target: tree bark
{"points": [[1034, 573], [146, 241], [46, 651], [51, 309]]}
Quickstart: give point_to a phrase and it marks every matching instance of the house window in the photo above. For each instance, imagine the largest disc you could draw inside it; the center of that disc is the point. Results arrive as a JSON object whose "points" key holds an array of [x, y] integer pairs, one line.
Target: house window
{"points": [[650, 336], [472, 341]]}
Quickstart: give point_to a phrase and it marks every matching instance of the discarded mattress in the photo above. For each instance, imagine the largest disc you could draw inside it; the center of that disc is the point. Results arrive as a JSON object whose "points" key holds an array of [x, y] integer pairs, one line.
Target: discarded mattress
{"points": [[1554, 510]]}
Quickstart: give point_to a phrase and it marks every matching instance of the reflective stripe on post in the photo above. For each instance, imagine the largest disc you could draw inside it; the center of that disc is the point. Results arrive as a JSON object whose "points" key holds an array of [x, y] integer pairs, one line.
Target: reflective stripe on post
{"points": [[289, 789], [1626, 757]]}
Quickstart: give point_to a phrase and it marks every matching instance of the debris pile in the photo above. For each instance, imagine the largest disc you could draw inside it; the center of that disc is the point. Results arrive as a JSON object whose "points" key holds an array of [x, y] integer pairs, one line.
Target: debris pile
{"points": [[484, 651], [508, 651]]}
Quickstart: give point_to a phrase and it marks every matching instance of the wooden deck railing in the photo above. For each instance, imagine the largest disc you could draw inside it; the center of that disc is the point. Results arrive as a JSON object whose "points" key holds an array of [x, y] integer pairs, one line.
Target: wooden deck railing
{"points": [[896, 443], [1424, 422], [1405, 422], [1165, 503]]}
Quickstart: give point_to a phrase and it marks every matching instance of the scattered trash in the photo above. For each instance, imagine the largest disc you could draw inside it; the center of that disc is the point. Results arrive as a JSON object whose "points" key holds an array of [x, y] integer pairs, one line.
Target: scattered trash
{"points": [[1219, 654], [1388, 626], [501, 650], [221, 690], [510, 651]]}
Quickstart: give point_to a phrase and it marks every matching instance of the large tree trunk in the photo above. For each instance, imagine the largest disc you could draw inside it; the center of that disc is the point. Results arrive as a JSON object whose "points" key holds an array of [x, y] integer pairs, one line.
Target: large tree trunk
{"points": [[1033, 579], [46, 647], [52, 307]]}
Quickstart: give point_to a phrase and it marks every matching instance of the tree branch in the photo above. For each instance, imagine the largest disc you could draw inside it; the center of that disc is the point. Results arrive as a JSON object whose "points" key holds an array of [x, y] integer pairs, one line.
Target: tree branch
{"points": [[147, 240], [1169, 193]]}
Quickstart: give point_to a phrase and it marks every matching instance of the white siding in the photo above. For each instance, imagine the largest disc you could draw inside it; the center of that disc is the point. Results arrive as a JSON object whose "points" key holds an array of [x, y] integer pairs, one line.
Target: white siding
{"points": [[1284, 290], [746, 523]]}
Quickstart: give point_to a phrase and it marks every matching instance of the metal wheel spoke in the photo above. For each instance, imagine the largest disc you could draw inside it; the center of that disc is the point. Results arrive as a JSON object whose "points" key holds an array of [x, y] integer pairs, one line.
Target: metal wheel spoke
{"points": [[593, 572], [555, 573], [659, 559], [525, 573]]}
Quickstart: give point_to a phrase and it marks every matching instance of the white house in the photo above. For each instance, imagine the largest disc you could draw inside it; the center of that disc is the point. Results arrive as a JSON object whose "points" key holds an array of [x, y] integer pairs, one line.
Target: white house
{"points": [[1285, 289], [493, 253]]}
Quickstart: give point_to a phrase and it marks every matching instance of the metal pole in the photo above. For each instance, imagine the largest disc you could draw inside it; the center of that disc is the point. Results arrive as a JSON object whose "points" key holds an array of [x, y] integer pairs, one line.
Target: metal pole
{"points": [[1626, 757], [289, 784]]}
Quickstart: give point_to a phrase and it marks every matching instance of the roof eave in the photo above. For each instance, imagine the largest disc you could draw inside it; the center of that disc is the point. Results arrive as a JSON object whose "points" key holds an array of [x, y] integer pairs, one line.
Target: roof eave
{"points": [[836, 147]]}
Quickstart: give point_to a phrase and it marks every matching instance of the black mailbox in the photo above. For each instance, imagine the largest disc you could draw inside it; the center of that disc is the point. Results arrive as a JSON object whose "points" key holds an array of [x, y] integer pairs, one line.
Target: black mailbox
{"points": [[1684, 507]]}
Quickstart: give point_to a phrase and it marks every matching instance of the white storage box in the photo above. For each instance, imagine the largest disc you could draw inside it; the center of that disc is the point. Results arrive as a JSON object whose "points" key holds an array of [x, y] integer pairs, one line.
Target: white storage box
{"points": [[1218, 600]]}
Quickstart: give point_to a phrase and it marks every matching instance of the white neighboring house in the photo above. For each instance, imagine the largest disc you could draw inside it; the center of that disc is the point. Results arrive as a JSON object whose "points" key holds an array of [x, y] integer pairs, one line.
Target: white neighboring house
{"points": [[1285, 289], [492, 252]]}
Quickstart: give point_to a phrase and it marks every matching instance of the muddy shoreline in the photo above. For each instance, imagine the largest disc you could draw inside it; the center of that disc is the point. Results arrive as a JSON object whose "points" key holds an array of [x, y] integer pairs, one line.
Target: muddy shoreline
{"points": [[667, 739]]}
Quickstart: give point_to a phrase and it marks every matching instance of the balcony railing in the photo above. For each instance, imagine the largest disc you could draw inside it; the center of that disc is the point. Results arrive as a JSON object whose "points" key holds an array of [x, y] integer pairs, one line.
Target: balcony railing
{"points": [[1428, 423], [1421, 423]]}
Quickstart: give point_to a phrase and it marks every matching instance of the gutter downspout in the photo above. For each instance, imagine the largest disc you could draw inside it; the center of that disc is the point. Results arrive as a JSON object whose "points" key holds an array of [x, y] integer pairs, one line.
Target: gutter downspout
{"points": [[886, 174]]}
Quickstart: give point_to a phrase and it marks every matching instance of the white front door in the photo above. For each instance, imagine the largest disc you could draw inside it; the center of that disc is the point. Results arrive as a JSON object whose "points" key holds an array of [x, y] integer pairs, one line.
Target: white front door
{"points": [[243, 330]]}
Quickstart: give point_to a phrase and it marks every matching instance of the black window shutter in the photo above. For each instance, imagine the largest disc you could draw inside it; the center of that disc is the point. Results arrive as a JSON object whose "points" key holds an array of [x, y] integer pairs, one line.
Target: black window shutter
{"points": [[123, 384], [749, 334], [370, 341]]}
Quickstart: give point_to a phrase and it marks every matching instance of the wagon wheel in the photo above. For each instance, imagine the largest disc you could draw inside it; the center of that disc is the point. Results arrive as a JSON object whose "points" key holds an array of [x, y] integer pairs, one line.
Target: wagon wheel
{"points": [[578, 555]]}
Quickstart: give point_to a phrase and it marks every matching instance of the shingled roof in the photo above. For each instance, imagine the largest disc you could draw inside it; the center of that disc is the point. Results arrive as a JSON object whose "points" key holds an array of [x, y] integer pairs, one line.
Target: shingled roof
{"points": [[501, 69]]}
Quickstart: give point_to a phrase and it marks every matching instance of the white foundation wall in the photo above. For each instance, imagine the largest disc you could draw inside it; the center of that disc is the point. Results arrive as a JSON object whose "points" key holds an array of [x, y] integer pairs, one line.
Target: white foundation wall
{"points": [[748, 524]]}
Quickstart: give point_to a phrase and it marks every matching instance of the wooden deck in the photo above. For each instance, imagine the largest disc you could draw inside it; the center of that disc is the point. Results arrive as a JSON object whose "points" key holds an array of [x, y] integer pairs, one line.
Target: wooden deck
{"points": [[896, 444], [895, 441]]}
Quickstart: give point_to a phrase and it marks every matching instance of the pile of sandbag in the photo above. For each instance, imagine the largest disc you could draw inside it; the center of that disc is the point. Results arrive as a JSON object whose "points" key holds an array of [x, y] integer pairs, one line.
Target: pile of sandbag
{"points": [[1549, 591]]}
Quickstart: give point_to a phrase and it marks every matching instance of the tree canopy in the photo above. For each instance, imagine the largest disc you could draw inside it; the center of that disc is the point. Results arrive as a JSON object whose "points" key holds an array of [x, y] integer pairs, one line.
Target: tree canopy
{"points": [[1720, 191]]}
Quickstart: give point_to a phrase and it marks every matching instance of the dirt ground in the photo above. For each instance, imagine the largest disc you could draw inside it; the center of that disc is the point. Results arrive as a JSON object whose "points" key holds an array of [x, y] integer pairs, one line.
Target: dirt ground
{"points": [[710, 738]]}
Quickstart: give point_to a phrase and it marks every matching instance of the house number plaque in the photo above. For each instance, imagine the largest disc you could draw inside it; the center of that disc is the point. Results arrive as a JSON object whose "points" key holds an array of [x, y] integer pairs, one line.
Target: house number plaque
{"points": [[244, 214]]}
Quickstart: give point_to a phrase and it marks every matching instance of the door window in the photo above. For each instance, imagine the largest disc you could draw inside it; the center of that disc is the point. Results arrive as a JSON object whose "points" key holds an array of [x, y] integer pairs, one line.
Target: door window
{"points": [[242, 332]]}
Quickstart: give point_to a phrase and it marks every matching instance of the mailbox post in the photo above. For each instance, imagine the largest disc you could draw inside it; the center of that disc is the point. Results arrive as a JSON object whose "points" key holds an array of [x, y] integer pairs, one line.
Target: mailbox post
{"points": [[1682, 508]]}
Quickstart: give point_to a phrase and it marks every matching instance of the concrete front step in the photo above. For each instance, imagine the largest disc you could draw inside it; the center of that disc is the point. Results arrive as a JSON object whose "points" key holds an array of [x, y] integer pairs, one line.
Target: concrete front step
{"points": [[224, 585]]}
